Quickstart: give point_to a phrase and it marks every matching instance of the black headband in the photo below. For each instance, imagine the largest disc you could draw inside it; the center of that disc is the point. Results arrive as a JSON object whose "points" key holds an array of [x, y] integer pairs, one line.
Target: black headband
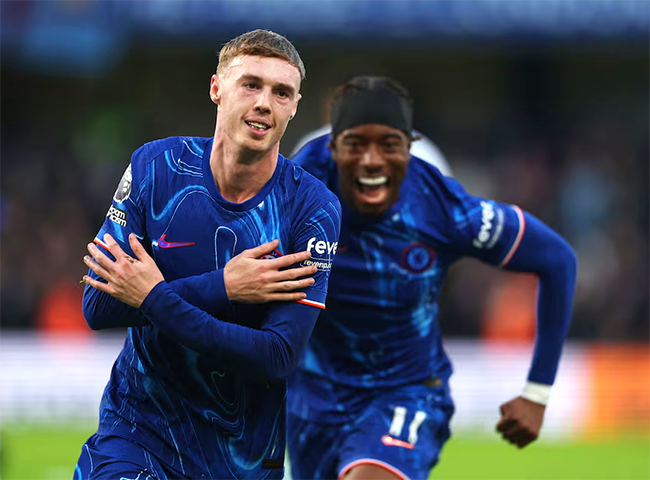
{"points": [[371, 106]]}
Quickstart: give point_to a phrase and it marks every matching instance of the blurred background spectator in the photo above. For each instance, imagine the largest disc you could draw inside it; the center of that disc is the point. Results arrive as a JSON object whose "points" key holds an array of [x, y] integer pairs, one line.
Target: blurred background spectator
{"points": [[539, 103]]}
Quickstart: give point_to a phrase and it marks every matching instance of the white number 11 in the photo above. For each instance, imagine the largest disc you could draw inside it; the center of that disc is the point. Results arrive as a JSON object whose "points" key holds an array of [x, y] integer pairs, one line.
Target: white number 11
{"points": [[397, 424]]}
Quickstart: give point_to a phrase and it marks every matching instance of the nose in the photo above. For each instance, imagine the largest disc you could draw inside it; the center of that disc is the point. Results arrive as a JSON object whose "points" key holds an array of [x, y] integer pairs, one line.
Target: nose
{"points": [[372, 158], [263, 101]]}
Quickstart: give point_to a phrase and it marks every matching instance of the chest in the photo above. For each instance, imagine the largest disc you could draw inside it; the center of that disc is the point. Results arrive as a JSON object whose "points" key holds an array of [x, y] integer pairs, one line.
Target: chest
{"points": [[398, 261], [193, 234]]}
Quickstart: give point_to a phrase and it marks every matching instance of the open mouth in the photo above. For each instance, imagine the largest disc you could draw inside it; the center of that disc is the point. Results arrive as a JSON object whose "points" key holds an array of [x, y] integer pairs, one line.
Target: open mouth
{"points": [[257, 127], [372, 188]]}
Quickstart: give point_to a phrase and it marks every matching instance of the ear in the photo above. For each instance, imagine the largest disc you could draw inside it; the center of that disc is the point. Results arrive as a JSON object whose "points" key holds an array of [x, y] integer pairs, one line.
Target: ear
{"points": [[214, 89], [332, 146], [295, 107]]}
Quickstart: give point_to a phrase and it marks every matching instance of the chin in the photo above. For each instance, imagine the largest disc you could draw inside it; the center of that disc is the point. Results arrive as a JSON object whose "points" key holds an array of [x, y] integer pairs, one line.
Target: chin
{"points": [[370, 208], [254, 146]]}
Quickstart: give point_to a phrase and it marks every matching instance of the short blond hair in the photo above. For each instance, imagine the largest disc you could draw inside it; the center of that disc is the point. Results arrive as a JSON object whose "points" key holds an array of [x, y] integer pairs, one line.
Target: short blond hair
{"points": [[263, 43]]}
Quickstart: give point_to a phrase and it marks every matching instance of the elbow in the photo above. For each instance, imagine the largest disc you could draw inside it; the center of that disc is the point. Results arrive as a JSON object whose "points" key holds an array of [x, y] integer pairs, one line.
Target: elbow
{"points": [[282, 362], [568, 260], [563, 262], [280, 369]]}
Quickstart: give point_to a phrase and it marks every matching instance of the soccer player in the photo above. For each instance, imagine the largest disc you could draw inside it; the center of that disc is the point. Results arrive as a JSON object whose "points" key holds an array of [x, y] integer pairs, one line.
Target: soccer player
{"points": [[198, 390], [370, 399]]}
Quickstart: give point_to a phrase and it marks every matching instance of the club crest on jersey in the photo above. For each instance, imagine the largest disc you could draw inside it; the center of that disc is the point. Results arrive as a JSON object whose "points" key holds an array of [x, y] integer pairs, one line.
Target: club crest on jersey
{"points": [[271, 255], [418, 257], [124, 188]]}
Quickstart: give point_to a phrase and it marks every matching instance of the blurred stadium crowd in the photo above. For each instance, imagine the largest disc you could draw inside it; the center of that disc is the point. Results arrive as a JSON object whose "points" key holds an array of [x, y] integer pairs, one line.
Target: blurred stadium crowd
{"points": [[560, 128]]}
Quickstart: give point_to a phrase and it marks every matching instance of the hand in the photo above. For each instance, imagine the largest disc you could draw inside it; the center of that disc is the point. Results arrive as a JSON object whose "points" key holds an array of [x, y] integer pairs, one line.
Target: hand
{"points": [[521, 421], [129, 279], [250, 279]]}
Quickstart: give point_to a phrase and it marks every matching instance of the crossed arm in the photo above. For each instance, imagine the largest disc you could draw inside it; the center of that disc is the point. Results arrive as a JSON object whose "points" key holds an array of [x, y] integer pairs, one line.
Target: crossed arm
{"points": [[247, 279], [271, 351]]}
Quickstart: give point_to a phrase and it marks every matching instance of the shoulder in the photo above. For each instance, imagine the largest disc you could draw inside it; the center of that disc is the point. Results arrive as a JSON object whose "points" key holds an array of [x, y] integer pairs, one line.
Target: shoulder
{"points": [[154, 149], [438, 199], [315, 157], [432, 179], [307, 192]]}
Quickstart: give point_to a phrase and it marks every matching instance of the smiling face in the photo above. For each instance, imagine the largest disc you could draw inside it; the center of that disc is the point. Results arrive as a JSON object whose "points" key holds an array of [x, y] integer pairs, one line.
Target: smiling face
{"points": [[372, 160], [257, 96]]}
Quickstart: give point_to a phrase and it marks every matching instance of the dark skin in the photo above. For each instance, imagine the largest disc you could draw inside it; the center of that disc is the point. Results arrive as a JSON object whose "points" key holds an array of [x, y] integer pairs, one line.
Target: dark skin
{"points": [[372, 160]]}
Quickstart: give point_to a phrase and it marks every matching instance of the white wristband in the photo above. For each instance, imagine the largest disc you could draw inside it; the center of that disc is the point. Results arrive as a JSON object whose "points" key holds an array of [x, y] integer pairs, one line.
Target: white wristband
{"points": [[537, 392]]}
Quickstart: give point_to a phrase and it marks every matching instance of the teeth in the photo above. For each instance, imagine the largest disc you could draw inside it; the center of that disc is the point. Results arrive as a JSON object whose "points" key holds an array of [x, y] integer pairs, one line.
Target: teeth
{"points": [[373, 181], [258, 125]]}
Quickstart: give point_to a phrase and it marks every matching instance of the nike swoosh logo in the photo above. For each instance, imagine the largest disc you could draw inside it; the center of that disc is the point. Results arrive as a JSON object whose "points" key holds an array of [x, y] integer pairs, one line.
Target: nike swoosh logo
{"points": [[394, 442], [162, 243]]}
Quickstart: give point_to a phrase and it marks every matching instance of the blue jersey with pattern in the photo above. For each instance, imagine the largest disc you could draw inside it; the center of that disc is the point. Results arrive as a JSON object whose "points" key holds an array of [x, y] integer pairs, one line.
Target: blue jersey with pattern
{"points": [[203, 416], [380, 328]]}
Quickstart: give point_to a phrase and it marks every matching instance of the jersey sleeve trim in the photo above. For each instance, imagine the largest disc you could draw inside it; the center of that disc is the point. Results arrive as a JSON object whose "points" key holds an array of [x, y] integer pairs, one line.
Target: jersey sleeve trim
{"points": [[520, 234], [101, 244], [311, 303]]}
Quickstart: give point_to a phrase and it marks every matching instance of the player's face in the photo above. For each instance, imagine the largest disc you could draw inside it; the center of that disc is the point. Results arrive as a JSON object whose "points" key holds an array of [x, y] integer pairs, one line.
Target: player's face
{"points": [[257, 96], [372, 161]]}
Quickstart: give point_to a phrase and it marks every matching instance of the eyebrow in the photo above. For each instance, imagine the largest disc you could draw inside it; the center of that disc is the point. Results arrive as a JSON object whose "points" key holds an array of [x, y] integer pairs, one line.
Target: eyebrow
{"points": [[255, 78]]}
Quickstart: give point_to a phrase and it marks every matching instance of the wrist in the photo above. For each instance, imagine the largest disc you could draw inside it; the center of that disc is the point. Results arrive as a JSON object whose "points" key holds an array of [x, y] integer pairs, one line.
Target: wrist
{"points": [[150, 299], [536, 392]]}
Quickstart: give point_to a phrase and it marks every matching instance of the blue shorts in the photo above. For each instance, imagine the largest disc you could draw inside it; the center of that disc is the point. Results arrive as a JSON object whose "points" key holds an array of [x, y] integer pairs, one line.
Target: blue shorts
{"points": [[111, 457], [401, 430]]}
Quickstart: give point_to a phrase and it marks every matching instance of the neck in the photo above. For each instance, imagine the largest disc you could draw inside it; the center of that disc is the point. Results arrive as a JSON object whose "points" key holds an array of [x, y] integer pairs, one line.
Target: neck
{"points": [[240, 173]]}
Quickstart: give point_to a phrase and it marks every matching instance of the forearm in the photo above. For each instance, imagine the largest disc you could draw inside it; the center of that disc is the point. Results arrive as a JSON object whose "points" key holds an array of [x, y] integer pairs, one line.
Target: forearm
{"points": [[544, 252], [206, 291], [102, 311], [262, 352]]}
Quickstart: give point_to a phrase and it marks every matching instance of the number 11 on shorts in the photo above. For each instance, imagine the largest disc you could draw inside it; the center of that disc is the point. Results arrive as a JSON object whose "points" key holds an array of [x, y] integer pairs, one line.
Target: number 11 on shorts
{"points": [[397, 425]]}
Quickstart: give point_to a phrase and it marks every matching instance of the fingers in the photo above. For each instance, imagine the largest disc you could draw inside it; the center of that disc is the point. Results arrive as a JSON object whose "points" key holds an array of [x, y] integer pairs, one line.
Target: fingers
{"points": [[515, 433], [98, 269], [506, 424], [261, 250], [138, 250], [288, 260], [99, 257], [293, 273], [296, 284], [520, 437], [104, 287], [286, 297], [112, 246]]}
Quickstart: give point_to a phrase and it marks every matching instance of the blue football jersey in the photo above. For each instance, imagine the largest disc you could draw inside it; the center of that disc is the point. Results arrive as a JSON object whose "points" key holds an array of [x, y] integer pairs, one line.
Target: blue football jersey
{"points": [[381, 325], [205, 416]]}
